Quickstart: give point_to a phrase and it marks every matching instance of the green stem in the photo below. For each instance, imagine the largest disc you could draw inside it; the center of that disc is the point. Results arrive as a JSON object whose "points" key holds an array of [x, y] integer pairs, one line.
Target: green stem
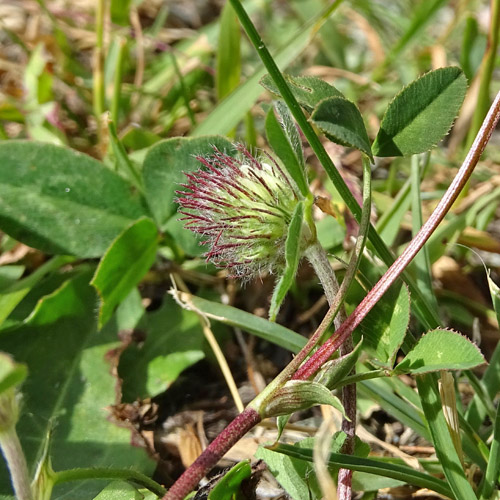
{"points": [[105, 473], [184, 91], [117, 80], [316, 255], [421, 260], [16, 462], [425, 313], [98, 77], [122, 158], [493, 468], [486, 72]]}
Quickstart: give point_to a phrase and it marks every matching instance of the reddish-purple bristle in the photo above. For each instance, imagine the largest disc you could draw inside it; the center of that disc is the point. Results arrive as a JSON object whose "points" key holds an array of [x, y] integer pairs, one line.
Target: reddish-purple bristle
{"points": [[242, 149], [252, 237], [261, 181], [283, 175]]}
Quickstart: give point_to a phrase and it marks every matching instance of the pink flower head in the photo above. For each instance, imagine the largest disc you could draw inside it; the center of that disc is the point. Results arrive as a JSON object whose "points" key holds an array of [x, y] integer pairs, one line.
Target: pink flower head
{"points": [[242, 206]]}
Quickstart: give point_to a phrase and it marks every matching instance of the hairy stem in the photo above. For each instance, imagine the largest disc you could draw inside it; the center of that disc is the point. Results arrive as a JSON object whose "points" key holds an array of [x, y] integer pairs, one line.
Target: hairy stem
{"points": [[213, 453], [16, 462], [319, 260], [323, 354]]}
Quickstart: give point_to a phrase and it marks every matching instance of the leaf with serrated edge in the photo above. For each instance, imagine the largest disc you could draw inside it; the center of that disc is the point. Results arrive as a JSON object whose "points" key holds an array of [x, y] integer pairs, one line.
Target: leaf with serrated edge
{"points": [[441, 349], [342, 123], [421, 114]]}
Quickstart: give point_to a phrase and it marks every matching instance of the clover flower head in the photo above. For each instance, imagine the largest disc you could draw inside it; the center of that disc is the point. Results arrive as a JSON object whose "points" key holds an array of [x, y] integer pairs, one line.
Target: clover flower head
{"points": [[242, 206]]}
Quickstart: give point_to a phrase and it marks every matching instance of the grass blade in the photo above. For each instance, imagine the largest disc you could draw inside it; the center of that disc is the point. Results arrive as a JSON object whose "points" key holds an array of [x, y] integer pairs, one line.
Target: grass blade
{"points": [[493, 468], [445, 450], [372, 466], [232, 109], [272, 332], [228, 53]]}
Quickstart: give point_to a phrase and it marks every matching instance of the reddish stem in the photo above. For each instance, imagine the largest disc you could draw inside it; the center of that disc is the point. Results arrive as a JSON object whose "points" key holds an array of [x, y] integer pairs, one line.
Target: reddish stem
{"points": [[213, 453], [322, 355], [344, 486]]}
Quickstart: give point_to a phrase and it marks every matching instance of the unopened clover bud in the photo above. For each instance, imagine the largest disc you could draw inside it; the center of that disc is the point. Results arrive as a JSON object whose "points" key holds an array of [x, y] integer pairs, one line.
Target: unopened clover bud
{"points": [[243, 207]]}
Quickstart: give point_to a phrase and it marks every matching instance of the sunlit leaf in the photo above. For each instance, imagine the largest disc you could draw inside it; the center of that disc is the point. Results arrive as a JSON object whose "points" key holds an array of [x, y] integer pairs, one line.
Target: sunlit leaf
{"points": [[61, 201], [421, 114], [124, 264], [342, 123], [441, 350]]}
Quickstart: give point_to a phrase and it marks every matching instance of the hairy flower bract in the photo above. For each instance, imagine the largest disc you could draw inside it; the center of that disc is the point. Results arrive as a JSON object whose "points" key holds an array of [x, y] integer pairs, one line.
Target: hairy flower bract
{"points": [[242, 206]]}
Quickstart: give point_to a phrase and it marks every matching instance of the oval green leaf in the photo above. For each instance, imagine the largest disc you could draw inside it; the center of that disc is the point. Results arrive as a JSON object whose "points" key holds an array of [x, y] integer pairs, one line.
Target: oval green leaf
{"points": [[342, 123], [69, 390], [124, 264], [441, 350], [421, 114], [62, 202]]}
